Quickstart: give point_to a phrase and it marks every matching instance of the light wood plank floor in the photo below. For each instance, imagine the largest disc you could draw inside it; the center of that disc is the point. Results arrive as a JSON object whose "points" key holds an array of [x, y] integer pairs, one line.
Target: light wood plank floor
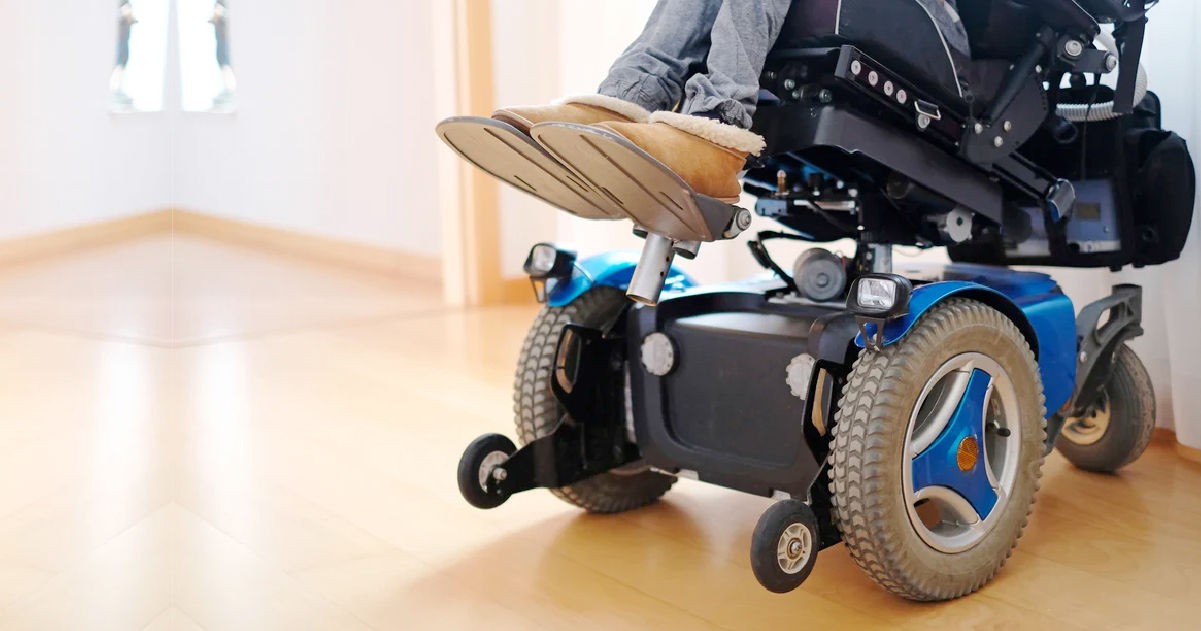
{"points": [[202, 436]]}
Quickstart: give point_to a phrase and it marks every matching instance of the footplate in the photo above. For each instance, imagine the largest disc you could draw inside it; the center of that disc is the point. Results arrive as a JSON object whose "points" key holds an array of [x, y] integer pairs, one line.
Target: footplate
{"points": [[588, 381]]}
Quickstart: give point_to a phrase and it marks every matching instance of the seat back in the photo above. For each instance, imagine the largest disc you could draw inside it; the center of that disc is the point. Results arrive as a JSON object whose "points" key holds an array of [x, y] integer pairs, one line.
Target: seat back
{"points": [[900, 33]]}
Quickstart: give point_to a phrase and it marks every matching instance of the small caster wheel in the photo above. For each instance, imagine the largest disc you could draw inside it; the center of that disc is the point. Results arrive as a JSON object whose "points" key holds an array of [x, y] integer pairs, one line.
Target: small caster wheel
{"points": [[479, 462], [784, 546]]}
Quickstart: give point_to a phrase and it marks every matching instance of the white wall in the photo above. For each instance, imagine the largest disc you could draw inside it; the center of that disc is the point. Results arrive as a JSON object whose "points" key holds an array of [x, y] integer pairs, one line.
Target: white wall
{"points": [[333, 132], [65, 159]]}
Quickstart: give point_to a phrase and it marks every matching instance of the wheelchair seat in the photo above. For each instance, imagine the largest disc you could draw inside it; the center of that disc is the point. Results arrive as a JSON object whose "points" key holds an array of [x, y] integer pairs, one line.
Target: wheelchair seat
{"points": [[878, 128]]}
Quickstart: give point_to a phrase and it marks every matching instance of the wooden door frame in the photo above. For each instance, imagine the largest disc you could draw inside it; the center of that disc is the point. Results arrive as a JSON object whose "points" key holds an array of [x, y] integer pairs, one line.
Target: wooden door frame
{"points": [[470, 199]]}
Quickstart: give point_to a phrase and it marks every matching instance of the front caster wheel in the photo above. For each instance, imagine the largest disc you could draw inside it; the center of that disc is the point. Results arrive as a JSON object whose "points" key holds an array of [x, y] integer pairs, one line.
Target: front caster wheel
{"points": [[1118, 428], [479, 463], [784, 546]]}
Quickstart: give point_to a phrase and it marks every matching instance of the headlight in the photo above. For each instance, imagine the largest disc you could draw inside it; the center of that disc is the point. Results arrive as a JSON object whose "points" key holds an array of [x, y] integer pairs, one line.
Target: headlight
{"points": [[880, 295], [547, 261], [876, 293]]}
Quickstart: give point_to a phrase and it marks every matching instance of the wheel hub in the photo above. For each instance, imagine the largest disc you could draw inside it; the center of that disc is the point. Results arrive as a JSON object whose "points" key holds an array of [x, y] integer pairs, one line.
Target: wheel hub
{"points": [[1090, 428], [488, 464], [963, 446], [796, 544]]}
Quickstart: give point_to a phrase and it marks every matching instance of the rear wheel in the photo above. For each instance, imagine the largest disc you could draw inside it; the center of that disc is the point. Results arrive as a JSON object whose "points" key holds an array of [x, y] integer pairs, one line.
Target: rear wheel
{"points": [[538, 412], [1118, 427], [938, 448]]}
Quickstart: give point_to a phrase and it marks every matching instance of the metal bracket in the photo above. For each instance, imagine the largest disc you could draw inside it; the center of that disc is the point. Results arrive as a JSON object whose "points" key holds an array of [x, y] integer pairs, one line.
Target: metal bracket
{"points": [[1098, 343], [587, 380]]}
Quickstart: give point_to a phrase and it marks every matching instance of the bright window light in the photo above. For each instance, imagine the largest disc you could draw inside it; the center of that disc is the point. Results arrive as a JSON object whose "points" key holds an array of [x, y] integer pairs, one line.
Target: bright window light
{"points": [[206, 75], [137, 78]]}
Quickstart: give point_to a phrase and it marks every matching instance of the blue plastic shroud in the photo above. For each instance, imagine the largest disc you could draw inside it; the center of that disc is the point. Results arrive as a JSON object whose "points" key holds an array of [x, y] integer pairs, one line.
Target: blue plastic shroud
{"points": [[937, 464], [1032, 300], [609, 269]]}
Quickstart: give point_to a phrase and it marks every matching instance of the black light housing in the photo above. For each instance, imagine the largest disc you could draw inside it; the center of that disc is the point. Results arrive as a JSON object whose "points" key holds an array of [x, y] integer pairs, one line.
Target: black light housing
{"points": [[546, 260], [883, 296], [876, 299]]}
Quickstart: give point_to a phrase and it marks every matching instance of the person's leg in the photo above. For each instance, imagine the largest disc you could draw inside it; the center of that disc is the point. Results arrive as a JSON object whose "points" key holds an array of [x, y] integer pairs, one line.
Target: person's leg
{"points": [[743, 33], [672, 47]]}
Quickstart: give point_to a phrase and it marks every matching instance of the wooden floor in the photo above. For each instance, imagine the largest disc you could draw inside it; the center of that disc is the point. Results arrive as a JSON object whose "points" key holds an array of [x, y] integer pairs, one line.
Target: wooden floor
{"points": [[200, 436]]}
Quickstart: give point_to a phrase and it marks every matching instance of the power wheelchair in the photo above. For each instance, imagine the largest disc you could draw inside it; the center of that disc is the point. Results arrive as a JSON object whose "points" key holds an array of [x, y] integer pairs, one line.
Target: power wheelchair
{"points": [[905, 412]]}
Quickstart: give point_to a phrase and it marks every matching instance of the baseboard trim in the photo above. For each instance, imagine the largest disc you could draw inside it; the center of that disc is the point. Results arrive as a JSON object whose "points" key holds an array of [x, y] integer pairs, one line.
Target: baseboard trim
{"points": [[32, 247], [396, 263], [1165, 435]]}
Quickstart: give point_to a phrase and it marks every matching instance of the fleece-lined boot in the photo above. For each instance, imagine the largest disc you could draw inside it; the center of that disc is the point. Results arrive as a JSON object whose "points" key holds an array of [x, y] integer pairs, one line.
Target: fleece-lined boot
{"points": [[655, 170], [502, 147]]}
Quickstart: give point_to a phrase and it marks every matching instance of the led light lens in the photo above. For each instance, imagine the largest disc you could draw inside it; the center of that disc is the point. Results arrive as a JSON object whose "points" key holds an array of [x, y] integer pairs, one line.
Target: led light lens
{"points": [[877, 293], [542, 259]]}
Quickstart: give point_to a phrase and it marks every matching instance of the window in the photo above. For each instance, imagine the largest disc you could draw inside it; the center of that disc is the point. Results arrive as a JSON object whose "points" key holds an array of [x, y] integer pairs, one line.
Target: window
{"points": [[137, 78], [206, 74]]}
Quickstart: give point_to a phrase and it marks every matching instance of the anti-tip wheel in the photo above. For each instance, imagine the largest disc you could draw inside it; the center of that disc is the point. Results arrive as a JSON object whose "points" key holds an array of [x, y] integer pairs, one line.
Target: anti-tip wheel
{"points": [[784, 546], [482, 456]]}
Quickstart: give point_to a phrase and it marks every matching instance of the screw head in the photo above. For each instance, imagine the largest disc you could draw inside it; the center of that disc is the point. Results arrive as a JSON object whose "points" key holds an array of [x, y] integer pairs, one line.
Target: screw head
{"points": [[1083, 357], [825, 96], [1073, 48], [856, 67], [888, 88], [873, 78], [998, 142], [902, 97], [923, 121], [789, 84], [1111, 62], [796, 95], [1008, 126], [979, 129], [500, 474]]}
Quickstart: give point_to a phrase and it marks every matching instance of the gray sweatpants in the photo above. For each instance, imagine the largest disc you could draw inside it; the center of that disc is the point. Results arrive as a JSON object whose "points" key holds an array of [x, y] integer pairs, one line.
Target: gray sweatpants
{"points": [[706, 55]]}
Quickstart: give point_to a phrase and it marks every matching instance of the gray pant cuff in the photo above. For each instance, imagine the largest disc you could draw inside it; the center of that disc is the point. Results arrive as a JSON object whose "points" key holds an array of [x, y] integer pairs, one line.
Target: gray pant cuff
{"points": [[727, 111], [648, 92]]}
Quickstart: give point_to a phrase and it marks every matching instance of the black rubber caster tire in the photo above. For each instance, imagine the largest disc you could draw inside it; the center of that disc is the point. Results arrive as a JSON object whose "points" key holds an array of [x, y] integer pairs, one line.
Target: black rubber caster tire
{"points": [[782, 556], [1128, 408], [481, 454]]}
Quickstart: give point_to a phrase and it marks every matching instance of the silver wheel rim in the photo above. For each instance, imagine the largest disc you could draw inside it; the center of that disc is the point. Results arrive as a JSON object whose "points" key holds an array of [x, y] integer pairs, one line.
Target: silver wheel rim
{"points": [[1087, 430], [493, 460], [956, 458], [794, 548]]}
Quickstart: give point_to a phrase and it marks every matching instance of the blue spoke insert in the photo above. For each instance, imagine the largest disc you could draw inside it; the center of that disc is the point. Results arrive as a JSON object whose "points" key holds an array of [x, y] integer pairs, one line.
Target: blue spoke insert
{"points": [[939, 465]]}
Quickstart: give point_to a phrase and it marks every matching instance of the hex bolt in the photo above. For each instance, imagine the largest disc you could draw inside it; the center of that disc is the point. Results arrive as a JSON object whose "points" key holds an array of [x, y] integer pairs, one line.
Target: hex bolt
{"points": [[789, 84], [1073, 48]]}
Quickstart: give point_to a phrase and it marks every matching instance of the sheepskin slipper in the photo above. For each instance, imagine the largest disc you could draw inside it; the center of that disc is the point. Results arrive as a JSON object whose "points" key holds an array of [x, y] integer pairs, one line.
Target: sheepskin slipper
{"points": [[654, 171], [501, 146]]}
